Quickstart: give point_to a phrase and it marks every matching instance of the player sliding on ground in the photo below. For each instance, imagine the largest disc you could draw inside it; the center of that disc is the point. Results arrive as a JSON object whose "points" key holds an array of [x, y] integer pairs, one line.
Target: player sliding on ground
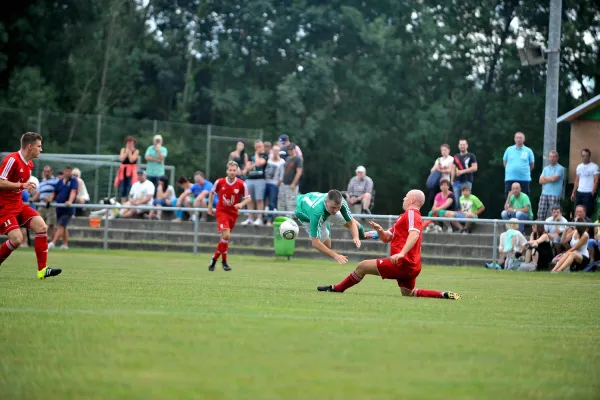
{"points": [[317, 211], [404, 263], [15, 172], [233, 196]]}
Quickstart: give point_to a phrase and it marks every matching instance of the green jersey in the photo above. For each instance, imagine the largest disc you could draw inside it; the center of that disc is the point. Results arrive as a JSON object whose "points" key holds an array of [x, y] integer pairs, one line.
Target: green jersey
{"points": [[310, 208]]}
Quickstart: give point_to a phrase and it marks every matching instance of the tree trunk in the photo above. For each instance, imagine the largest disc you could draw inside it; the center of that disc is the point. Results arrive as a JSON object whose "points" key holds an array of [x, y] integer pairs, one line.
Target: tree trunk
{"points": [[106, 63]]}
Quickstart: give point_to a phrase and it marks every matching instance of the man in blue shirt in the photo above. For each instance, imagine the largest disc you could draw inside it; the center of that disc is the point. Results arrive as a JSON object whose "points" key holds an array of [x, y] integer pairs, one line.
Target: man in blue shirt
{"points": [[65, 192], [552, 180], [518, 164], [44, 193], [195, 195]]}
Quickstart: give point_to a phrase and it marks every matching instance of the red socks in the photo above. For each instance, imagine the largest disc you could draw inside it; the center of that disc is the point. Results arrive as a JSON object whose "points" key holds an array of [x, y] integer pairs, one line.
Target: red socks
{"points": [[5, 249], [222, 248], [40, 244], [427, 293], [347, 283]]}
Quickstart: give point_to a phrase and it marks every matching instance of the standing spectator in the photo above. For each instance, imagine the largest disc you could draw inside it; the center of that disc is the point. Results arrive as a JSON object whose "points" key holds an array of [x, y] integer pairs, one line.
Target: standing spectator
{"points": [[470, 207], [552, 180], [255, 179], [555, 231], [164, 198], [45, 193], [141, 194], [284, 141], [518, 164], [465, 165], [273, 176], [586, 182], [240, 156], [127, 174], [360, 192], [83, 197], [268, 149], [65, 192], [155, 157], [443, 165], [517, 206], [288, 190]]}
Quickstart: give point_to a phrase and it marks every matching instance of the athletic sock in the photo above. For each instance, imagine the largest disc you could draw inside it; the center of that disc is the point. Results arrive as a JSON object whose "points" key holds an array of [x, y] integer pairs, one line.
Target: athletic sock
{"points": [[348, 282], [224, 248], [40, 244], [5, 249], [217, 252], [428, 293]]}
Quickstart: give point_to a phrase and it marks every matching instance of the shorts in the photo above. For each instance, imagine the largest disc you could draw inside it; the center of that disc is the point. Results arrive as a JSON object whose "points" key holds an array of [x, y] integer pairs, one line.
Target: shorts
{"points": [[48, 214], [63, 219], [225, 221], [337, 220], [404, 273], [579, 266], [11, 220], [257, 188]]}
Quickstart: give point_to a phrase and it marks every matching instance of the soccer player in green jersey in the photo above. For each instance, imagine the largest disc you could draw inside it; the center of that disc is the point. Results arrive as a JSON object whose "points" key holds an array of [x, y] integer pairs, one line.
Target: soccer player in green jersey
{"points": [[317, 211]]}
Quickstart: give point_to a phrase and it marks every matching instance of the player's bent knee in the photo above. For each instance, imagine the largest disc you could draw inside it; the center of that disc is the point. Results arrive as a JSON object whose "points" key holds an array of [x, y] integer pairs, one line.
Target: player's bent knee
{"points": [[16, 237], [38, 225], [226, 234]]}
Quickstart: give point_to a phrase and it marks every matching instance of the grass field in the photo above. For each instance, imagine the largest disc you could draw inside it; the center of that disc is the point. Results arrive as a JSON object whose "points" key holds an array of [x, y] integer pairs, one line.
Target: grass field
{"points": [[159, 325]]}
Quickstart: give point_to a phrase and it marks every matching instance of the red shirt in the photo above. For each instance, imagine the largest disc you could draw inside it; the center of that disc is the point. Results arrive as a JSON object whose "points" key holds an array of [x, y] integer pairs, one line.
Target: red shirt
{"points": [[15, 169], [230, 194], [409, 221]]}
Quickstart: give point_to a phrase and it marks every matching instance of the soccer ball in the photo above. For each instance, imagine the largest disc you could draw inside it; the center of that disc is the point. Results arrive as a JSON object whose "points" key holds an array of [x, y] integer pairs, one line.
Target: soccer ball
{"points": [[288, 229]]}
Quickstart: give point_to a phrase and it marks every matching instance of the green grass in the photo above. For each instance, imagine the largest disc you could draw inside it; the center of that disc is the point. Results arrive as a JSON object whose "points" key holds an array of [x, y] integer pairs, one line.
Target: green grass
{"points": [[158, 325]]}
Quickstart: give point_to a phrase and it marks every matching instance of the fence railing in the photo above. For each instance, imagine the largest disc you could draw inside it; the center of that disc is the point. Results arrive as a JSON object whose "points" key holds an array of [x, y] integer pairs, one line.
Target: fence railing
{"points": [[390, 219]]}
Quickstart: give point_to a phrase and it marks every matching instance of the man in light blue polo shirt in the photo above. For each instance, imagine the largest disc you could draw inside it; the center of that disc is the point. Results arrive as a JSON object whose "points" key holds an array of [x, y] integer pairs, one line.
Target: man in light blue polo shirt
{"points": [[155, 158], [518, 164], [552, 180]]}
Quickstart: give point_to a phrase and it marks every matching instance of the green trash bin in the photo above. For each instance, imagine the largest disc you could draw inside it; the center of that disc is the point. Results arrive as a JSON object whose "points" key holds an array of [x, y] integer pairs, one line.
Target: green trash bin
{"points": [[284, 248]]}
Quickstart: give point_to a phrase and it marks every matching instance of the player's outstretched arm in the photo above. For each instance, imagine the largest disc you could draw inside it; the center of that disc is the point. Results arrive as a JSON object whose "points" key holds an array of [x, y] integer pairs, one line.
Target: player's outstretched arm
{"points": [[316, 243], [384, 236]]}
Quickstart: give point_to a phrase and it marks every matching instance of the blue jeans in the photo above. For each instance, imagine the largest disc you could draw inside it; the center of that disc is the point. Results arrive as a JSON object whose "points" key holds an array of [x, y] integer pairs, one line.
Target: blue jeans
{"points": [[456, 188], [271, 192], [523, 216], [125, 186], [178, 214]]}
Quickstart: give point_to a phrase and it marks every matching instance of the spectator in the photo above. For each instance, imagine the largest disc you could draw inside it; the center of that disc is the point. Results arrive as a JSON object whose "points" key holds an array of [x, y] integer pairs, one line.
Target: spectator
{"points": [[444, 166], [552, 180], [444, 201], [510, 244], [201, 189], [517, 206], [594, 243], [465, 165], [586, 182], [195, 195], [580, 213], [284, 141], [470, 207], [141, 194], [45, 193], [518, 164], [155, 157], [268, 150], [127, 174], [83, 197], [360, 192], [538, 255], [240, 156], [288, 189], [185, 199], [255, 179], [164, 198], [555, 232], [26, 197], [65, 192], [578, 256], [273, 176]]}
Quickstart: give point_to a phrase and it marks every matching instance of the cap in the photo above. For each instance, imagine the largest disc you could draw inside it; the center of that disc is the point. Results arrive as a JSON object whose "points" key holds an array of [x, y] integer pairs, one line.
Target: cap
{"points": [[158, 137], [141, 171], [284, 138], [361, 169]]}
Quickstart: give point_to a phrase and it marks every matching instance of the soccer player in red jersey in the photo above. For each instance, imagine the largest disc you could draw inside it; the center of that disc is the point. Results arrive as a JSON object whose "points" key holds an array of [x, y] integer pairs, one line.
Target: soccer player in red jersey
{"points": [[233, 196], [404, 263], [15, 172]]}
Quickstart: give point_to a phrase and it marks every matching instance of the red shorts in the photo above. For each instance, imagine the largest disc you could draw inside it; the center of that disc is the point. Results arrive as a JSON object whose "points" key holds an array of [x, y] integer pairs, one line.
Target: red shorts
{"points": [[13, 219], [403, 272], [225, 221]]}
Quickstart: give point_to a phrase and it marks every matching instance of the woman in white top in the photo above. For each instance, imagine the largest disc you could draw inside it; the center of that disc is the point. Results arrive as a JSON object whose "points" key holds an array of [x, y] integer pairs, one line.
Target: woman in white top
{"points": [[165, 197], [444, 164], [578, 255], [83, 196]]}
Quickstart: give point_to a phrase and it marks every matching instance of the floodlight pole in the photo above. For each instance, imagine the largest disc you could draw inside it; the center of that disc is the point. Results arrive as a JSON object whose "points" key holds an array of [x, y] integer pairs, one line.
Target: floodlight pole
{"points": [[552, 77]]}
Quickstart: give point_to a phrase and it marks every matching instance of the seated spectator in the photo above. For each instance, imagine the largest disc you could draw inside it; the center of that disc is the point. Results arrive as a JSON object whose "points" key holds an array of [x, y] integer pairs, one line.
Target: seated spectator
{"points": [[195, 195], [44, 193], [538, 255], [594, 243], [580, 213], [517, 206], [360, 192], [470, 207], [165, 197], [512, 242], [141, 194], [578, 256], [83, 197], [273, 175], [240, 156], [555, 232], [444, 201]]}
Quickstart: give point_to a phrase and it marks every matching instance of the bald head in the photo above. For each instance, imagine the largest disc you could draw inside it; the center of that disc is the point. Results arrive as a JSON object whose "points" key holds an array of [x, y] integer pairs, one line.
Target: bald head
{"points": [[414, 199]]}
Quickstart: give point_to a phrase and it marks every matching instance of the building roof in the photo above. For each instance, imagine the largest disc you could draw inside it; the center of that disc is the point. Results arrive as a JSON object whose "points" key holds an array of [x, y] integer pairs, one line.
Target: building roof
{"points": [[580, 110]]}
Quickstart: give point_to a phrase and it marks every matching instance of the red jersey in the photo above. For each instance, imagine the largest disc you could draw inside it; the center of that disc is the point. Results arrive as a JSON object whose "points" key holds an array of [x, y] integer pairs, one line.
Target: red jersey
{"points": [[230, 194], [409, 221], [15, 169]]}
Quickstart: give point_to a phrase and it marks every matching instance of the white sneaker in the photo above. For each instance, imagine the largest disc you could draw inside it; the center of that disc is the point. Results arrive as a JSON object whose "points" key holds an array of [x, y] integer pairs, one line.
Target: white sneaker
{"points": [[51, 245], [194, 217], [449, 230], [258, 221], [63, 247], [438, 229], [247, 222]]}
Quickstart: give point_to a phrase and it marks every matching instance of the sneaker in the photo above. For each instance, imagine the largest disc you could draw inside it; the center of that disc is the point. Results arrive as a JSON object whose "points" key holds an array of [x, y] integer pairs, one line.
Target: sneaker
{"points": [[211, 266], [48, 272], [176, 220], [451, 296], [51, 245], [194, 217], [63, 247], [247, 222], [326, 288], [226, 266], [449, 230], [258, 221], [438, 229], [372, 235], [428, 228], [269, 223]]}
